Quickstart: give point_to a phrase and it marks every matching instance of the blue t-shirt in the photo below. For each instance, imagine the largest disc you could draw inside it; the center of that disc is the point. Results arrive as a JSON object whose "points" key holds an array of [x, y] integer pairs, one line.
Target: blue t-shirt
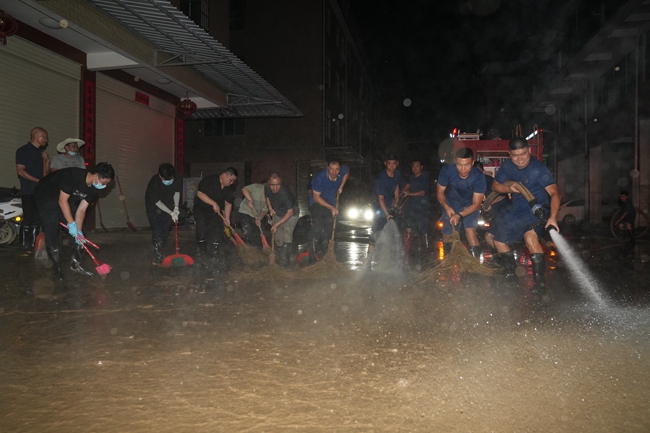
{"points": [[460, 192], [535, 176], [327, 188], [488, 183], [420, 183], [385, 185], [32, 158]]}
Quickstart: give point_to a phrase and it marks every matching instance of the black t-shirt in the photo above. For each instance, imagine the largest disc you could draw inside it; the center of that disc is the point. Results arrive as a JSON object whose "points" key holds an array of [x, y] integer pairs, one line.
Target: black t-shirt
{"points": [[158, 191], [32, 158], [211, 186], [282, 201], [71, 181]]}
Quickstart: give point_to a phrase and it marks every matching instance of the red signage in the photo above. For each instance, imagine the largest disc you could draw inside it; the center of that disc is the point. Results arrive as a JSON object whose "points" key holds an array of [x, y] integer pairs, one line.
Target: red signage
{"points": [[142, 98]]}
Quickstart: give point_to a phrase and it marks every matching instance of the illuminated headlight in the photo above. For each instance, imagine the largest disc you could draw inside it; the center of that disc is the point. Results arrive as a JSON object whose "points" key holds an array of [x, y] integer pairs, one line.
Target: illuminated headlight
{"points": [[353, 213], [367, 215], [481, 222]]}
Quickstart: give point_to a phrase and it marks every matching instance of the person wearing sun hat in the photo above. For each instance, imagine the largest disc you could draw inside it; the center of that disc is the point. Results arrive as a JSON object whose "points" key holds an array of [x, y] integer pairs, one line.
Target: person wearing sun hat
{"points": [[68, 155]]}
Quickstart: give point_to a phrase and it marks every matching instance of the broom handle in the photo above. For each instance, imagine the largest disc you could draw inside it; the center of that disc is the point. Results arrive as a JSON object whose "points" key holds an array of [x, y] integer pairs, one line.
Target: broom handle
{"points": [[91, 255], [83, 238], [335, 218], [272, 242], [176, 234]]}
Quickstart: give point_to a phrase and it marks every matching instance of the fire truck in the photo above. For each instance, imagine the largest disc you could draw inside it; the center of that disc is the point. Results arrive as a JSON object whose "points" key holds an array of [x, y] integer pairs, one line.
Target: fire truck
{"points": [[492, 152]]}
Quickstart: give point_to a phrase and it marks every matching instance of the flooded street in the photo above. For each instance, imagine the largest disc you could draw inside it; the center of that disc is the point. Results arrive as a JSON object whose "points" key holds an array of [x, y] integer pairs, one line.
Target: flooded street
{"points": [[167, 350]]}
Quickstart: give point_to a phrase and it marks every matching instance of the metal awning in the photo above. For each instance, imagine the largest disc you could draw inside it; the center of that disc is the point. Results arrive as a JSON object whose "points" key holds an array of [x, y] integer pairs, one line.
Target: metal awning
{"points": [[183, 43]]}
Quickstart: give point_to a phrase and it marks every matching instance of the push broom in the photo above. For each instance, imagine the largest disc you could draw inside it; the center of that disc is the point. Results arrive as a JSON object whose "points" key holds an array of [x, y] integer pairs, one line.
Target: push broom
{"points": [[177, 259], [101, 268]]}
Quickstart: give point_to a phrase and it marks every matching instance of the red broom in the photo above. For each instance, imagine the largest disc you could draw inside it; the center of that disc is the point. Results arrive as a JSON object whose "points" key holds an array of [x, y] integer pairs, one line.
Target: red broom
{"points": [[177, 259], [101, 268]]}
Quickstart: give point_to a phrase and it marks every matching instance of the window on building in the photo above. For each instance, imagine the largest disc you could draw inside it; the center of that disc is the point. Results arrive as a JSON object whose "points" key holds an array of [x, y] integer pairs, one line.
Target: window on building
{"points": [[237, 14], [223, 127], [198, 11]]}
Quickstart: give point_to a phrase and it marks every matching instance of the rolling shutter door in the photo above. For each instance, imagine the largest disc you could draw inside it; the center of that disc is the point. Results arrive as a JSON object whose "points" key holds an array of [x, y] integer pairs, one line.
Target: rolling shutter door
{"points": [[37, 88], [135, 139]]}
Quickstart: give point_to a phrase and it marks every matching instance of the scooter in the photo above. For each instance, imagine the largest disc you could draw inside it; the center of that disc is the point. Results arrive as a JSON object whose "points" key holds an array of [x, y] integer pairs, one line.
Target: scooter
{"points": [[11, 214]]}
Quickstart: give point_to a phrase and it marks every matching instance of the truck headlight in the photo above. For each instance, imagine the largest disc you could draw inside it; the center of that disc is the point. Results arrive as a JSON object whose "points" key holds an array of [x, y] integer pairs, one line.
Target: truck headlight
{"points": [[367, 215], [353, 213]]}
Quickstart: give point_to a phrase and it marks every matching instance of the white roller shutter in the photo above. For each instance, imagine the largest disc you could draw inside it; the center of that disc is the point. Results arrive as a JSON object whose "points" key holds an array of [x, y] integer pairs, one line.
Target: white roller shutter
{"points": [[37, 88], [135, 139]]}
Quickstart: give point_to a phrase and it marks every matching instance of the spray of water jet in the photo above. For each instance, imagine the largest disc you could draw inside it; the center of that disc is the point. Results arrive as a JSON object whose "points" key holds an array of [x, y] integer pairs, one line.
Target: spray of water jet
{"points": [[578, 269]]}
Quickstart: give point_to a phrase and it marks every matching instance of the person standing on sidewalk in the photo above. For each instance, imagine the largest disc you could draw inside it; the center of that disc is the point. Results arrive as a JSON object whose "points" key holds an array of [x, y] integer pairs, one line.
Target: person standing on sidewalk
{"points": [[212, 214], [325, 186], [284, 210], [32, 163], [161, 203], [64, 196]]}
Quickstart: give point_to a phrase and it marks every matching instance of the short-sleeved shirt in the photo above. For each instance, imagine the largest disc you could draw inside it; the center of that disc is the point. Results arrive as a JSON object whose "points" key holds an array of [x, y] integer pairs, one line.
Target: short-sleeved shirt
{"points": [[282, 201], [61, 161], [489, 180], [535, 177], [460, 192], [32, 158], [211, 186], [385, 186], [71, 181], [256, 190], [417, 184], [158, 191], [627, 207], [327, 188]]}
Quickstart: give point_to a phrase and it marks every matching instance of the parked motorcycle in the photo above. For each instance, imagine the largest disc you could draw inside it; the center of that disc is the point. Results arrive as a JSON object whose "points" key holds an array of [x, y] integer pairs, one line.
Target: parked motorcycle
{"points": [[11, 214]]}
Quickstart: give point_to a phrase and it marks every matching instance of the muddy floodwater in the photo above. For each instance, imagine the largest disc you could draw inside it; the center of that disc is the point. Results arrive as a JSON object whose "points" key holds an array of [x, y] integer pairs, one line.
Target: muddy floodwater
{"points": [[170, 351]]}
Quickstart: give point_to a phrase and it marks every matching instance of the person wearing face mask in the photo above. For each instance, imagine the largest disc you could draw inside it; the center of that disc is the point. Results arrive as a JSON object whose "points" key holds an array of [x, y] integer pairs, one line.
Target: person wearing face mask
{"points": [[161, 202], [32, 163], [64, 196], [68, 156]]}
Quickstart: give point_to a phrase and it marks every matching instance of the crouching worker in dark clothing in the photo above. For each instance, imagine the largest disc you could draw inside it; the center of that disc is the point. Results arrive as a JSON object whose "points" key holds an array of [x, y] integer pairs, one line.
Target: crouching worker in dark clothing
{"points": [[64, 196], [161, 201], [212, 213]]}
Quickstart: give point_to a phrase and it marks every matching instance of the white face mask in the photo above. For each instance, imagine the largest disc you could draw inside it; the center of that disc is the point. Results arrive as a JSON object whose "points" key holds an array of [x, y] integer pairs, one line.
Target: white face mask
{"points": [[72, 153]]}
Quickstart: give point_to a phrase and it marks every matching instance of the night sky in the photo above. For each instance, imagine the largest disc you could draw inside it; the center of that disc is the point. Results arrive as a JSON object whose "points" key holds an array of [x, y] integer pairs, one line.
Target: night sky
{"points": [[435, 52]]}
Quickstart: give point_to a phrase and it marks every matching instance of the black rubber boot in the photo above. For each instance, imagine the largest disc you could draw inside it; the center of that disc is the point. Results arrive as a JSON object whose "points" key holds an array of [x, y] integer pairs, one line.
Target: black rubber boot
{"points": [[53, 254], [476, 251], [76, 261], [22, 239], [507, 260], [313, 253], [539, 267], [446, 246], [285, 254], [157, 251]]}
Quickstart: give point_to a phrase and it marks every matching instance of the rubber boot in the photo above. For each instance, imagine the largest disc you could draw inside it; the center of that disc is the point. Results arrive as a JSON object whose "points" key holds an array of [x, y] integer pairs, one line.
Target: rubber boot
{"points": [[76, 261], [507, 260], [157, 251], [476, 251], [408, 237], [285, 251], [446, 246], [539, 267], [630, 234], [202, 253], [53, 254], [312, 251], [31, 237], [22, 239]]}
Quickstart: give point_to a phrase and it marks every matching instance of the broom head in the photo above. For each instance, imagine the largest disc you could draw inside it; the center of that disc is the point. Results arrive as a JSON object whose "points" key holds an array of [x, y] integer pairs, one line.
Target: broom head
{"points": [[177, 260]]}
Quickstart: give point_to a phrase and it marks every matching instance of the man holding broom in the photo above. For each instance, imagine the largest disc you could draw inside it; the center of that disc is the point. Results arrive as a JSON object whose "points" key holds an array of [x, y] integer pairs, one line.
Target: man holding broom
{"points": [[325, 186], [64, 196], [212, 214], [161, 203], [461, 191], [284, 210], [251, 211]]}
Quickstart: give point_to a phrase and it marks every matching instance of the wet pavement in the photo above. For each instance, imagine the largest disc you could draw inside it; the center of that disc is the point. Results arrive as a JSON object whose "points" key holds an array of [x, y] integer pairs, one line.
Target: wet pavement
{"points": [[148, 349]]}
